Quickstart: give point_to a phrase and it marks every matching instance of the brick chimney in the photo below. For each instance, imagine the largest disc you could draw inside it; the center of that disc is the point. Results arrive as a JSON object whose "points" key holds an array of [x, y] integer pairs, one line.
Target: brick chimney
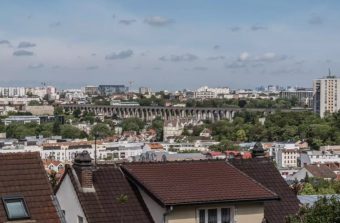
{"points": [[84, 169]]}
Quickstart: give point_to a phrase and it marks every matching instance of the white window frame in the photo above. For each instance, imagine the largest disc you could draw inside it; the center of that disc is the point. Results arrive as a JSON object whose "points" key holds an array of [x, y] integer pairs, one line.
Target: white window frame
{"points": [[219, 216]]}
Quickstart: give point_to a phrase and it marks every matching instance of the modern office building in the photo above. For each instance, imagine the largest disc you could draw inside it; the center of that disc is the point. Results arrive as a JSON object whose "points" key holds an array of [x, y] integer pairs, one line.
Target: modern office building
{"points": [[107, 90], [326, 93]]}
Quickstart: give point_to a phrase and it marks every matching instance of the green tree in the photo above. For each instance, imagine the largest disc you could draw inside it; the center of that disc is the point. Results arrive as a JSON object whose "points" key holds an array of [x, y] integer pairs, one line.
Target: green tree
{"points": [[308, 189], [58, 110], [56, 128], [132, 124], [76, 113], [34, 103], [241, 135], [324, 210], [101, 129], [70, 132]]}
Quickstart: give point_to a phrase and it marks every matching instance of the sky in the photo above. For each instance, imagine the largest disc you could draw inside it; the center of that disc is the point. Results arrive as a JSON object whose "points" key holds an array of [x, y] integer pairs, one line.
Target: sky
{"points": [[168, 44]]}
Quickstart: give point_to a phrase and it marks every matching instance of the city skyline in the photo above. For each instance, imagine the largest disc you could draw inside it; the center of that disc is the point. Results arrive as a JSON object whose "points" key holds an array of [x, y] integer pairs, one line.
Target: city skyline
{"points": [[169, 44]]}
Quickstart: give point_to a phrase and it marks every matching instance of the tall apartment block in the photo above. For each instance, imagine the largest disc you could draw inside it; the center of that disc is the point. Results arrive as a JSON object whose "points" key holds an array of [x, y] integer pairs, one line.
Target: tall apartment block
{"points": [[326, 94]]}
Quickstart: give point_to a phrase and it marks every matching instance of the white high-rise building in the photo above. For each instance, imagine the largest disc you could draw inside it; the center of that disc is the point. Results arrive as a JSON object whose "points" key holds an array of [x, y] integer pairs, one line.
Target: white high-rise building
{"points": [[326, 93]]}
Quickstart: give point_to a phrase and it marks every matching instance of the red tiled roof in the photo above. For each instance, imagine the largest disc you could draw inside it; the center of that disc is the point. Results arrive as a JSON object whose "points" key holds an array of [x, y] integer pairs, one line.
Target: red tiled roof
{"points": [[23, 174], [321, 171], [264, 172], [102, 206], [175, 183]]}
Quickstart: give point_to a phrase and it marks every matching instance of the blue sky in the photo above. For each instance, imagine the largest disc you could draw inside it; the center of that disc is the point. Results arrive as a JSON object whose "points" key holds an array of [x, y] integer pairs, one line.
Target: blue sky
{"points": [[168, 44]]}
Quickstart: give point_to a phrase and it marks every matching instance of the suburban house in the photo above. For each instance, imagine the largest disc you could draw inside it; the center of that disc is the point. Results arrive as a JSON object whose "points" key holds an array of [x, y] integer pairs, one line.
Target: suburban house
{"points": [[210, 191], [99, 194], [314, 170], [264, 171], [25, 192]]}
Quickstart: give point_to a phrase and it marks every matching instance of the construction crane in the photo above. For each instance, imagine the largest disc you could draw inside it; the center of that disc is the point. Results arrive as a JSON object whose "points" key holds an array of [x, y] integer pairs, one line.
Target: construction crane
{"points": [[130, 85]]}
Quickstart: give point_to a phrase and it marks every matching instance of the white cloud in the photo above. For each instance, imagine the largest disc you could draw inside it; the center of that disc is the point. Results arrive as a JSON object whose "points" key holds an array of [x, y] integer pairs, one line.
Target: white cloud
{"points": [[120, 55], [158, 21]]}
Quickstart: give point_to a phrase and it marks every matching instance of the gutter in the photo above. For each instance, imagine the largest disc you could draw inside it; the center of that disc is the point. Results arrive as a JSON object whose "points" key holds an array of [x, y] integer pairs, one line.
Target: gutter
{"points": [[168, 211]]}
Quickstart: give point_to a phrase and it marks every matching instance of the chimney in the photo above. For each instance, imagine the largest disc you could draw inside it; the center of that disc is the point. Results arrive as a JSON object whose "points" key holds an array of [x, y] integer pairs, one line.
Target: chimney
{"points": [[258, 151], [83, 167]]}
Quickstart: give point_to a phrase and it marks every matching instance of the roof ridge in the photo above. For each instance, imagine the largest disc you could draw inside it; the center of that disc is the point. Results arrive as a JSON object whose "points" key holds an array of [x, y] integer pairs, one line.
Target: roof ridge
{"points": [[252, 179]]}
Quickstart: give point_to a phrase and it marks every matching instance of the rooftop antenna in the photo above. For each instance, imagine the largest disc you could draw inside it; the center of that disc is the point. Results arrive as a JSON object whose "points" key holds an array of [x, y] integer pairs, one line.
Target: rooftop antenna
{"points": [[329, 72]]}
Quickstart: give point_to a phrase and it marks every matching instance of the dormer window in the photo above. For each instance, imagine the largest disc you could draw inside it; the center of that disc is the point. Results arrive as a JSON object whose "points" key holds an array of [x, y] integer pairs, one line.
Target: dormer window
{"points": [[16, 208]]}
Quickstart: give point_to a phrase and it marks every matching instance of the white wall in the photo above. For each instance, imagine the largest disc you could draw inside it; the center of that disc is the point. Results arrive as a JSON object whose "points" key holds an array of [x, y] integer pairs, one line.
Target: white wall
{"points": [[69, 202], [155, 209]]}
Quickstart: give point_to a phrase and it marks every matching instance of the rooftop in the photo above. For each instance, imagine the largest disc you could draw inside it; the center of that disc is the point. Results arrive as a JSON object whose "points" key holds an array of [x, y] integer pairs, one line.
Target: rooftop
{"points": [[191, 182], [23, 174]]}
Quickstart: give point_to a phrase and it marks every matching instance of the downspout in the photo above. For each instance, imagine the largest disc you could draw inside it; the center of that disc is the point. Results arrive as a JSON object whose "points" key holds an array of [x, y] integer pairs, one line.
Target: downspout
{"points": [[168, 211]]}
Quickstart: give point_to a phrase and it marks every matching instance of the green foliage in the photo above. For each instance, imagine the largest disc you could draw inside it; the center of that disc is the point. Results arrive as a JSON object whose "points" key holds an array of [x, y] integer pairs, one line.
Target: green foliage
{"points": [[279, 126], [158, 124], [20, 131], [224, 146], [58, 110], [101, 129], [319, 186], [76, 113], [56, 128], [52, 176], [34, 103], [308, 189], [325, 210], [132, 124], [70, 132]]}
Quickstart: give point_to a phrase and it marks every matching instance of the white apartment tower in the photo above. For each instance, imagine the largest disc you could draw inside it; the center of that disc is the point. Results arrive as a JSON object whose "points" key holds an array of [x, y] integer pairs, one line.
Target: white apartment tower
{"points": [[326, 93]]}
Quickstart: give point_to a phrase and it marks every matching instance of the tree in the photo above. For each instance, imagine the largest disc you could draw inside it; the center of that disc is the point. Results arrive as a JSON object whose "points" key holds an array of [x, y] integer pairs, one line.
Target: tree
{"points": [[102, 129], [56, 128], [323, 210], [132, 124], [70, 132], [52, 176], [308, 189], [241, 135], [34, 103], [77, 113], [58, 110]]}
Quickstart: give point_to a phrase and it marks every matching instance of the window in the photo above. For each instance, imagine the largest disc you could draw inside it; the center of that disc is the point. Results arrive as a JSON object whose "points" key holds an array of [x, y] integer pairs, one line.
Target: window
{"points": [[80, 219], [212, 216], [225, 215], [16, 208], [215, 215]]}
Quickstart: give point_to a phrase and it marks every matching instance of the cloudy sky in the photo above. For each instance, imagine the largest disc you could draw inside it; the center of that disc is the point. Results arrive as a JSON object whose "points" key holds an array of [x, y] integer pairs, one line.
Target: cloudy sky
{"points": [[168, 44]]}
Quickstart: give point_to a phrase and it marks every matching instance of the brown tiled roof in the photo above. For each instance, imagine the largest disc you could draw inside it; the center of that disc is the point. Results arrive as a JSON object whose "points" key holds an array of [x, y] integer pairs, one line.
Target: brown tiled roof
{"points": [[102, 206], [263, 171], [175, 183], [23, 174], [321, 171]]}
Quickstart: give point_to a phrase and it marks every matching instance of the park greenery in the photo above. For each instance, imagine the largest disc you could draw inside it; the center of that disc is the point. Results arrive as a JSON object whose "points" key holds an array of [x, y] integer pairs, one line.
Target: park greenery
{"points": [[325, 209], [279, 126], [318, 186]]}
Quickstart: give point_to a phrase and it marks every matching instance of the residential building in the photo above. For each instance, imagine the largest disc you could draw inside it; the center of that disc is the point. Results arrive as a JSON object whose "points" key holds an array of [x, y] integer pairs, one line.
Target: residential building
{"points": [[91, 90], [326, 95], [207, 93], [107, 90], [25, 191], [185, 202], [285, 154], [314, 170], [12, 92], [102, 193], [145, 90], [21, 119], [264, 171], [304, 96], [321, 157]]}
